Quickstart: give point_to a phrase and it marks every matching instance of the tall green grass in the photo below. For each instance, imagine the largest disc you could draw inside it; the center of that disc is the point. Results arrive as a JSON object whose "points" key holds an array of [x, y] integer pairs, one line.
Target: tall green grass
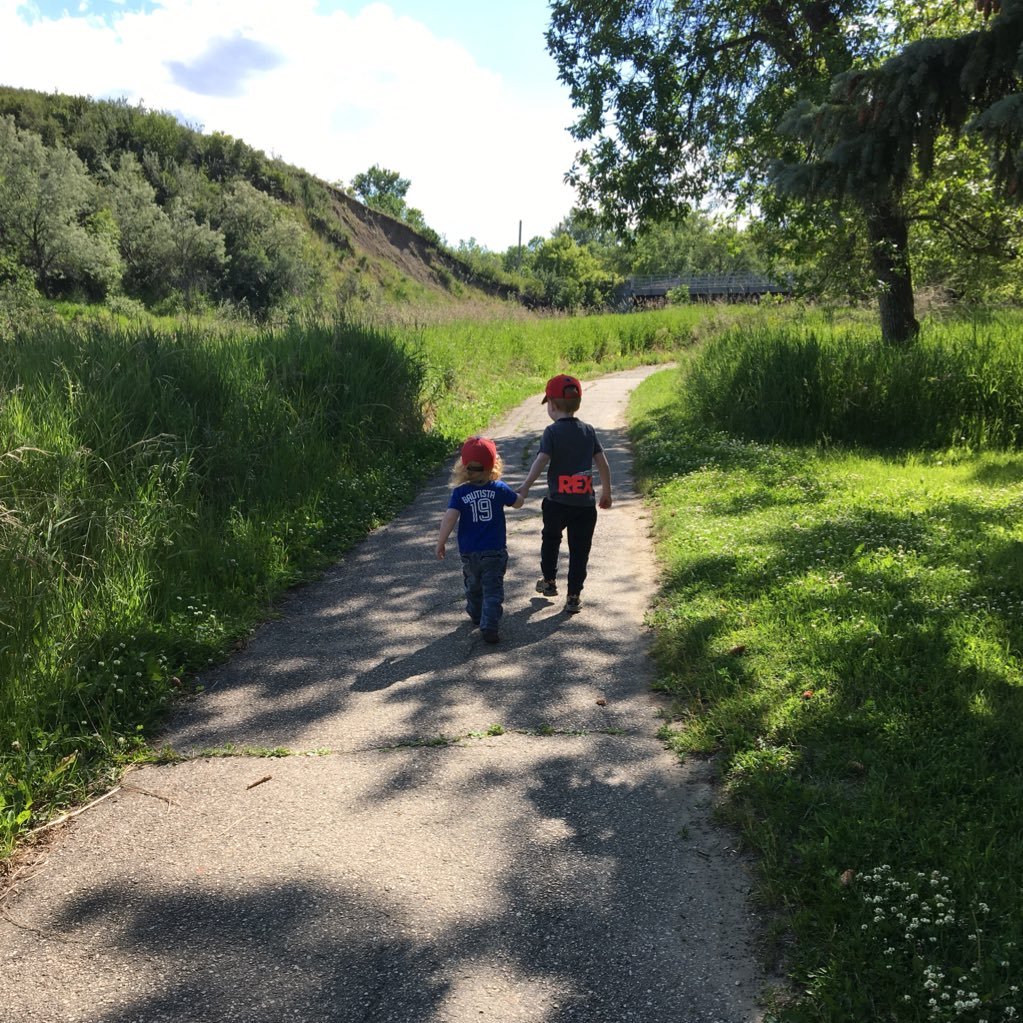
{"points": [[816, 381], [477, 368], [156, 492]]}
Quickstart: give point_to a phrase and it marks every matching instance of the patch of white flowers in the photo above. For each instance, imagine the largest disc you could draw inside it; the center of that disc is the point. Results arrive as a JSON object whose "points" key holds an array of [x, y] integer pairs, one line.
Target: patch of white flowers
{"points": [[922, 934]]}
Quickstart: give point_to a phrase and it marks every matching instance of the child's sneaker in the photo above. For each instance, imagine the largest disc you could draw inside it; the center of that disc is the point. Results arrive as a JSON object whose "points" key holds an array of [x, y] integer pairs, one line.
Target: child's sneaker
{"points": [[548, 587], [490, 635], [573, 605]]}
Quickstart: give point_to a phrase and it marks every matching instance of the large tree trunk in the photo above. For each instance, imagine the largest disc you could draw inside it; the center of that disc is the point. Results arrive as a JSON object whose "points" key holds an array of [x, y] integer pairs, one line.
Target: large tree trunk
{"points": [[888, 234]]}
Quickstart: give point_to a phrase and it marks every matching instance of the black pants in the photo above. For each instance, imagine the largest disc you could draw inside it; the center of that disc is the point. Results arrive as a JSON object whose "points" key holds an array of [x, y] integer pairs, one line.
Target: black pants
{"points": [[580, 521]]}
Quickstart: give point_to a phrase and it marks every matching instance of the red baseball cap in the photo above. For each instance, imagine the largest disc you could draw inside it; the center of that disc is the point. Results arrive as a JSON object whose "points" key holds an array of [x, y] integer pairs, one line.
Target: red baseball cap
{"points": [[479, 451], [563, 386]]}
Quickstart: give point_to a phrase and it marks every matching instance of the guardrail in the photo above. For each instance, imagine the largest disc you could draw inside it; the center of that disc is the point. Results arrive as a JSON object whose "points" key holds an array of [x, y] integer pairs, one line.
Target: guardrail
{"points": [[708, 286]]}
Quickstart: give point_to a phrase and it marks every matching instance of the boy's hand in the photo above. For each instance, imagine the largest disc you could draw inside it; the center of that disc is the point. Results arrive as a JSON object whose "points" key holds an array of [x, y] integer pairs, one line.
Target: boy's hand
{"points": [[523, 492], [441, 550], [605, 499]]}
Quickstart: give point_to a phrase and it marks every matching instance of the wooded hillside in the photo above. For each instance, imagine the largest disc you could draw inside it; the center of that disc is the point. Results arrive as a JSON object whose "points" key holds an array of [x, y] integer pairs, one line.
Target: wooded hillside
{"points": [[105, 201]]}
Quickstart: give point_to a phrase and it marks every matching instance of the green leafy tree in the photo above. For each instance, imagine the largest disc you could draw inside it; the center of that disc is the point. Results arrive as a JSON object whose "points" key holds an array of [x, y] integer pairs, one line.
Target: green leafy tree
{"points": [[965, 235], [520, 260], [49, 217], [484, 263], [269, 260], [699, 244], [880, 124], [19, 299], [160, 134], [681, 101], [572, 277], [879, 132], [224, 158], [146, 245], [198, 255], [383, 190]]}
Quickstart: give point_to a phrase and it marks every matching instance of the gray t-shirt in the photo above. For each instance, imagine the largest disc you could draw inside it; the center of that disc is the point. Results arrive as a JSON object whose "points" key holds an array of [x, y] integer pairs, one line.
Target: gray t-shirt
{"points": [[571, 443]]}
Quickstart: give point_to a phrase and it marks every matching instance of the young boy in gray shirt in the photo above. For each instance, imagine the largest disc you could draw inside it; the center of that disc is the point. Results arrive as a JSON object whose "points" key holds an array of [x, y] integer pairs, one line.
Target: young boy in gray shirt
{"points": [[569, 449]]}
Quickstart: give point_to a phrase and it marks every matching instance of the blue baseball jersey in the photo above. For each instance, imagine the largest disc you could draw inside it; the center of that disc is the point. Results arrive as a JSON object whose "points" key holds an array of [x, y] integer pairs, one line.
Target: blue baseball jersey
{"points": [[480, 508]]}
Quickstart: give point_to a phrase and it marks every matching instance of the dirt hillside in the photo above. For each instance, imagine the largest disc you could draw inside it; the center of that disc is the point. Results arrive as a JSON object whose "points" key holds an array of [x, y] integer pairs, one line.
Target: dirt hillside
{"points": [[384, 240]]}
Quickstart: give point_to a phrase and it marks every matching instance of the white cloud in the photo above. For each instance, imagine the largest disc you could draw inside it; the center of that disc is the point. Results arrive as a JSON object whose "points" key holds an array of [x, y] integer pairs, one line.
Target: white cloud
{"points": [[340, 93]]}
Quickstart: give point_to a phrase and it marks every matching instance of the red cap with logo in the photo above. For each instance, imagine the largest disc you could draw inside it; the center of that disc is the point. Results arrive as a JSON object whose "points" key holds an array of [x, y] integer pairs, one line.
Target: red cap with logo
{"points": [[562, 386], [480, 451]]}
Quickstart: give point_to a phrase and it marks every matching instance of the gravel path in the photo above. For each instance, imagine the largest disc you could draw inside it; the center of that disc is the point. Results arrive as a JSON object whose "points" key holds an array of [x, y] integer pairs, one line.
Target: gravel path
{"points": [[407, 865]]}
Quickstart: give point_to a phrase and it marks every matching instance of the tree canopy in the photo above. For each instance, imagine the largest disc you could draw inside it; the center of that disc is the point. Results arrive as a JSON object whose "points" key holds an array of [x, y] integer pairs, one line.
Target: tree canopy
{"points": [[681, 103], [682, 100], [878, 123]]}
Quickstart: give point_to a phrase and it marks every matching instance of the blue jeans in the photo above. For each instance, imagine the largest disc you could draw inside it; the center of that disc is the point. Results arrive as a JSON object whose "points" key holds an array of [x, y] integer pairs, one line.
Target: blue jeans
{"points": [[483, 573]]}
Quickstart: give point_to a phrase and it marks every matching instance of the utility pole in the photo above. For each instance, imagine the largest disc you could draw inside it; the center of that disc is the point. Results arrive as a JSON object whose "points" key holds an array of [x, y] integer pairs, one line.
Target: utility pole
{"points": [[520, 245]]}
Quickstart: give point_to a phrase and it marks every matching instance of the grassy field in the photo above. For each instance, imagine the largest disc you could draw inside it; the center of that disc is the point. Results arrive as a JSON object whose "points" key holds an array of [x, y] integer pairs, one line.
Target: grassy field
{"points": [[479, 368], [159, 489], [841, 531], [842, 627]]}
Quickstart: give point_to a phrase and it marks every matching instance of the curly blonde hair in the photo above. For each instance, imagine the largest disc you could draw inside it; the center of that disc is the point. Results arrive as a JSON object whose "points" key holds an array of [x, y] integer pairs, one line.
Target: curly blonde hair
{"points": [[461, 473]]}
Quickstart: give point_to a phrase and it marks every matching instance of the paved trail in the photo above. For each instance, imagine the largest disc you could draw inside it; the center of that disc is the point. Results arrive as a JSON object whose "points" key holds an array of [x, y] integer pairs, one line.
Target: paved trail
{"points": [[567, 870]]}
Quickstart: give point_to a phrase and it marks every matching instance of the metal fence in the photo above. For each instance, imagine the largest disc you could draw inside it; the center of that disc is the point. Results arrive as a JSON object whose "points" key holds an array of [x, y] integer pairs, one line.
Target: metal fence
{"points": [[702, 286]]}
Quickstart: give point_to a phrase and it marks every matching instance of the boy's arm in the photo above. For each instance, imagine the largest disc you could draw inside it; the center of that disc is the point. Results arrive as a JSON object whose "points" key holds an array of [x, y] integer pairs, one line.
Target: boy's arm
{"points": [[446, 525], [538, 466], [605, 479]]}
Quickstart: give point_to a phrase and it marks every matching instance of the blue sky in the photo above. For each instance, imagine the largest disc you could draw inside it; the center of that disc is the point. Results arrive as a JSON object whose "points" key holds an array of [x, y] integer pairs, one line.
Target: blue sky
{"points": [[458, 96]]}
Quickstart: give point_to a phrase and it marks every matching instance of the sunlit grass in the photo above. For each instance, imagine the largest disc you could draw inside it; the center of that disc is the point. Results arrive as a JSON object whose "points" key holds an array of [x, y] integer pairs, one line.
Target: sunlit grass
{"points": [[479, 367], [820, 378], [844, 630], [157, 491]]}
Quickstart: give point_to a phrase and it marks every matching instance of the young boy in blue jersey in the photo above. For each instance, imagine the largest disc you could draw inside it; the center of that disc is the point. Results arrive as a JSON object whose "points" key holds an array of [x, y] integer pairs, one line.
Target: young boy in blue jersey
{"points": [[569, 449], [477, 504]]}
